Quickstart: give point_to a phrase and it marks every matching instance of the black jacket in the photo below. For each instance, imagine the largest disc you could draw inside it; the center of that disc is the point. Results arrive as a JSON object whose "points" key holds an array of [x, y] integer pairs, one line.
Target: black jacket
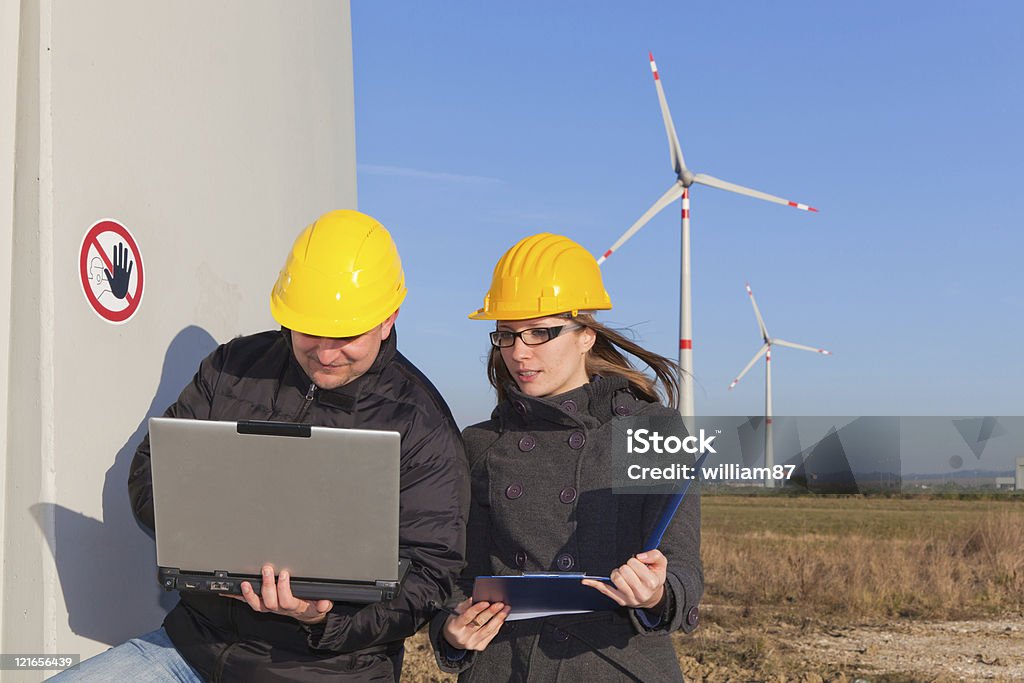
{"points": [[258, 378]]}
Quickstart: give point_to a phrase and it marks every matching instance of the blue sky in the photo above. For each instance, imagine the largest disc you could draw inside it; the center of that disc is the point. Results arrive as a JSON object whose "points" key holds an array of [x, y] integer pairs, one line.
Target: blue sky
{"points": [[480, 123]]}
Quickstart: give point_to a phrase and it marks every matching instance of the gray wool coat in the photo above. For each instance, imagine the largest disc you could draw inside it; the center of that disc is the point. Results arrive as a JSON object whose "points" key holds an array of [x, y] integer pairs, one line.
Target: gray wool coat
{"points": [[542, 501]]}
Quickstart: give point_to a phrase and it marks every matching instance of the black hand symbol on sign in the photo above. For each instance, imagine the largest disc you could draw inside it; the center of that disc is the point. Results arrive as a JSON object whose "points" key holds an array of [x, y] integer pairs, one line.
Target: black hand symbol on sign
{"points": [[122, 272]]}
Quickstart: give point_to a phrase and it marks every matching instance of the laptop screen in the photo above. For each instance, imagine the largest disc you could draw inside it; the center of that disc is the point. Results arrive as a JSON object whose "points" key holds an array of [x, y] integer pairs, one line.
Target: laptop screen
{"points": [[319, 502]]}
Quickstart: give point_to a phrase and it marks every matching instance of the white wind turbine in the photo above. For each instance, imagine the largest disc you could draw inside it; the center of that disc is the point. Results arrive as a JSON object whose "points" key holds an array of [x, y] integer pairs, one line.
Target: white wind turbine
{"points": [[766, 351], [681, 188]]}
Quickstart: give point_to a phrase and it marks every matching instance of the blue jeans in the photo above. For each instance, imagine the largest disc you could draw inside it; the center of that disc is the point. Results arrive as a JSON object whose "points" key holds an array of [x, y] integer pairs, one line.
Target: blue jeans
{"points": [[150, 657]]}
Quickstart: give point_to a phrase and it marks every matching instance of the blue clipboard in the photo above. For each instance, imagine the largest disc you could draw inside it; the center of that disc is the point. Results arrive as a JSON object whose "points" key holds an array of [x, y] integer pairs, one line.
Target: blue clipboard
{"points": [[654, 540], [542, 595]]}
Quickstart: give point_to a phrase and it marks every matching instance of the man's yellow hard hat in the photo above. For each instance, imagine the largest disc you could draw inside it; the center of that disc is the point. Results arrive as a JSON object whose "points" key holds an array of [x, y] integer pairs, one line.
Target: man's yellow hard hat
{"points": [[342, 278], [544, 275]]}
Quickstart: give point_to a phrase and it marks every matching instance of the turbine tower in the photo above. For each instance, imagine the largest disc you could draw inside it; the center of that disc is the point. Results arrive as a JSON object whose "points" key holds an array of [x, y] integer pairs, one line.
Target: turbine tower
{"points": [[766, 351], [681, 188]]}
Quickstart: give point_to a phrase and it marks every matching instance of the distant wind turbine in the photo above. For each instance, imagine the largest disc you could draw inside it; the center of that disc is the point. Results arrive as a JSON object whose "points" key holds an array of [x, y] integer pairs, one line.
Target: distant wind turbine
{"points": [[681, 188], [766, 351]]}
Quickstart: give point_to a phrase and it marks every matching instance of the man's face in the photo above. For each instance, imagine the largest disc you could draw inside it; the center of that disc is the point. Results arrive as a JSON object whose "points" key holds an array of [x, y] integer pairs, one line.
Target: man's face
{"points": [[332, 362]]}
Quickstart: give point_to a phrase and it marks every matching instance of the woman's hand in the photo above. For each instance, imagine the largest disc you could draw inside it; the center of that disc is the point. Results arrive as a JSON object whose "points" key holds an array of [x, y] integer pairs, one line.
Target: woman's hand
{"points": [[475, 625], [640, 583]]}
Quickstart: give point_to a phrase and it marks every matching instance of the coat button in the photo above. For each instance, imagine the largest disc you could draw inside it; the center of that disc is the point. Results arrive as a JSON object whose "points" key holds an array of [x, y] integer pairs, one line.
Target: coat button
{"points": [[514, 491], [577, 440], [622, 411], [519, 407], [567, 495], [693, 616], [527, 443], [561, 635], [569, 406], [564, 562], [521, 559]]}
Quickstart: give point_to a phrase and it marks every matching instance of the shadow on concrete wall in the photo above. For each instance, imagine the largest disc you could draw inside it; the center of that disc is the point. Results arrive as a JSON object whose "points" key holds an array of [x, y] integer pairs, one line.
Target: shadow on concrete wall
{"points": [[107, 568]]}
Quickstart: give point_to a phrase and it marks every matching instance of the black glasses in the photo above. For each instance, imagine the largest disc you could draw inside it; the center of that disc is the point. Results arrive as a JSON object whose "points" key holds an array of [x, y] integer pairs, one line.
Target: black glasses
{"points": [[533, 336]]}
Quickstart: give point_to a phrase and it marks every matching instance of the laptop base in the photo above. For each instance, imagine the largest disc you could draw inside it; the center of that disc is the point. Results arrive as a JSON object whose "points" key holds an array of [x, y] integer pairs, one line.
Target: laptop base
{"points": [[224, 582]]}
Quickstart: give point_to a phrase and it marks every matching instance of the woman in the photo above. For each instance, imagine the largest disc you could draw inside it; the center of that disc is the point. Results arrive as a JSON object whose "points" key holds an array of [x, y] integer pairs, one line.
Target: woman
{"points": [[542, 497]]}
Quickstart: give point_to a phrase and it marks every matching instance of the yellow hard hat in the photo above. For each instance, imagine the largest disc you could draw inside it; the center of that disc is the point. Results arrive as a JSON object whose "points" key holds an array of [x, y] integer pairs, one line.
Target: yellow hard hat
{"points": [[342, 278], [544, 275]]}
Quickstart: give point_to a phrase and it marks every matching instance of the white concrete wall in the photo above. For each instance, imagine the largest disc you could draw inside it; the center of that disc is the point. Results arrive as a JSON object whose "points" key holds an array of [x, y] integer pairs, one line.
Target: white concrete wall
{"points": [[10, 13], [214, 131]]}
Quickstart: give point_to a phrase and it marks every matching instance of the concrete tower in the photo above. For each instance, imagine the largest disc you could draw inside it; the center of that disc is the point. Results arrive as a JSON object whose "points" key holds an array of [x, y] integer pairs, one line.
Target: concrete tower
{"points": [[212, 132]]}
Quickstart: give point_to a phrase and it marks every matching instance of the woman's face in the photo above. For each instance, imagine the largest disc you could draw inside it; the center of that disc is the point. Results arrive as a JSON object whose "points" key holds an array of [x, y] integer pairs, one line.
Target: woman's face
{"points": [[551, 368]]}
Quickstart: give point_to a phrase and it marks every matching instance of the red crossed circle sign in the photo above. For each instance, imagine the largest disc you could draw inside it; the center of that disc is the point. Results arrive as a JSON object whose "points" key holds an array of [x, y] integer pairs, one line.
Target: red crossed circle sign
{"points": [[110, 269]]}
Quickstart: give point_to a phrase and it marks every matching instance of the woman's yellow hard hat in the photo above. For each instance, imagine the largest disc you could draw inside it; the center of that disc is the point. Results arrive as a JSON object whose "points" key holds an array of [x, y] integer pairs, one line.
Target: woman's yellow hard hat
{"points": [[342, 278], [544, 275]]}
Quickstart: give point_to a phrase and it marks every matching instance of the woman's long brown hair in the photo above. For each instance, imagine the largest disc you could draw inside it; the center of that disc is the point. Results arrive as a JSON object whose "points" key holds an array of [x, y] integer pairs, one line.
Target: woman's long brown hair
{"points": [[607, 358]]}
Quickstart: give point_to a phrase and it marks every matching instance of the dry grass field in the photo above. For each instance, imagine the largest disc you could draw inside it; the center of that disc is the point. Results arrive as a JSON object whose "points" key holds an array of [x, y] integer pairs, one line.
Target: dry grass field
{"points": [[865, 557], [825, 588]]}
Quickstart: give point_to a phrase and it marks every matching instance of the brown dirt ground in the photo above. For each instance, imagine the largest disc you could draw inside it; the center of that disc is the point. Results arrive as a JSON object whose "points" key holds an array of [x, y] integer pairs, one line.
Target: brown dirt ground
{"points": [[899, 651]]}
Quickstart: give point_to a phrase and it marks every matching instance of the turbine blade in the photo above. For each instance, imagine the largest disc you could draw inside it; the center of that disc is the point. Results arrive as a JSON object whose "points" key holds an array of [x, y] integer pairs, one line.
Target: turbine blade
{"points": [[674, 150], [711, 181], [761, 352], [791, 345], [757, 312], [673, 193]]}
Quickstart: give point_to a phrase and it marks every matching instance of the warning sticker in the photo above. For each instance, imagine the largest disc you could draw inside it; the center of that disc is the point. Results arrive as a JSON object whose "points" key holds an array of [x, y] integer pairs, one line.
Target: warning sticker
{"points": [[110, 268]]}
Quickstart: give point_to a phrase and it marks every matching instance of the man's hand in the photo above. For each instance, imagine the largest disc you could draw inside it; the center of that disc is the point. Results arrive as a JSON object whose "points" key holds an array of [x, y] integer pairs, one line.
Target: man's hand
{"points": [[640, 583], [475, 625], [277, 598]]}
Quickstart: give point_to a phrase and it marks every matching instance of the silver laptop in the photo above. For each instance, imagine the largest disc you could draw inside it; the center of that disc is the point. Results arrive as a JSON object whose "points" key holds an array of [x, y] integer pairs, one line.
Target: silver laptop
{"points": [[322, 503]]}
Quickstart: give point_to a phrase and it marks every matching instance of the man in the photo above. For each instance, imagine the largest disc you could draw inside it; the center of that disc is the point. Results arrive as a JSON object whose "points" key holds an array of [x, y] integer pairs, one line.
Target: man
{"points": [[334, 364]]}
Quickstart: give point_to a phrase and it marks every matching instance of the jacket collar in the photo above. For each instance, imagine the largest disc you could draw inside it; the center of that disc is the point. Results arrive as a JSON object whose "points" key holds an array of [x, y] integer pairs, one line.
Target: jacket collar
{"points": [[345, 396], [595, 399]]}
